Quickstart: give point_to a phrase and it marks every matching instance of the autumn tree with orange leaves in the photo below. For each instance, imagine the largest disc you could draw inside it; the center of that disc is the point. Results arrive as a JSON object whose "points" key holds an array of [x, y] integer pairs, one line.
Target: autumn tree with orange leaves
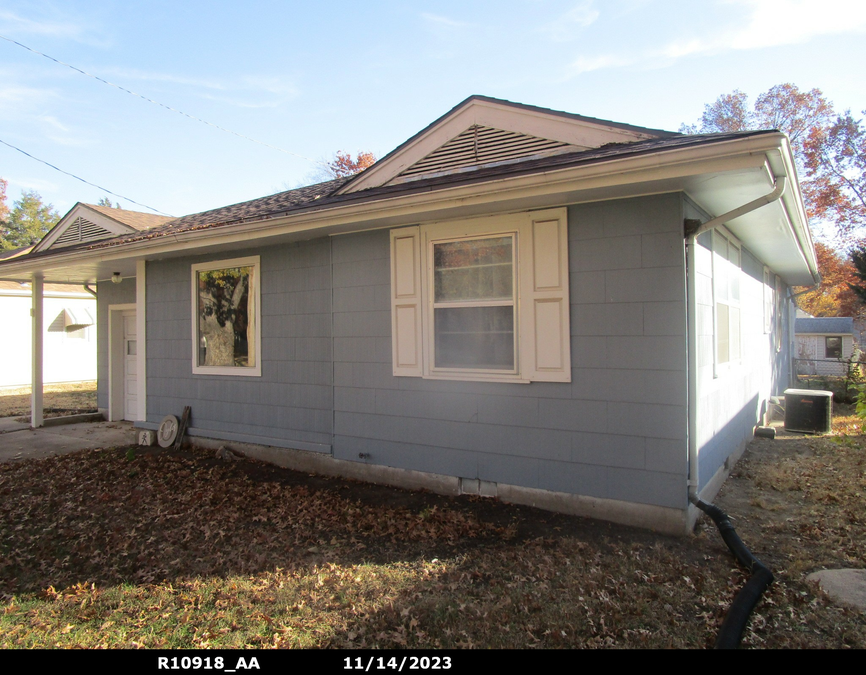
{"points": [[830, 152], [343, 165], [830, 149], [835, 296]]}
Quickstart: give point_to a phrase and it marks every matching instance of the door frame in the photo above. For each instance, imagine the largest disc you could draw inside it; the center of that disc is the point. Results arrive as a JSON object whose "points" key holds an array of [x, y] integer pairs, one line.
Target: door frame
{"points": [[116, 356]]}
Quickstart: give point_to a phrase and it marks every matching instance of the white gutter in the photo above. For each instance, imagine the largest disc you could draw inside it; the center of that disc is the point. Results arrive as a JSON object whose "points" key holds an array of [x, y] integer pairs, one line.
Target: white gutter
{"points": [[670, 164]]}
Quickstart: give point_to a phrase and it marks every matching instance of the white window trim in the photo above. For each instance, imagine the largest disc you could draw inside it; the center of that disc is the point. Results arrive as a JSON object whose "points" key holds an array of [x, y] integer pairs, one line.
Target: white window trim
{"points": [[240, 371], [540, 258]]}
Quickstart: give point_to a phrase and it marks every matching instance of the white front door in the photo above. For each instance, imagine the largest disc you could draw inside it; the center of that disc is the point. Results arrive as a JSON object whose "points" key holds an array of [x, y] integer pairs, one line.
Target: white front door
{"points": [[130, 367]]}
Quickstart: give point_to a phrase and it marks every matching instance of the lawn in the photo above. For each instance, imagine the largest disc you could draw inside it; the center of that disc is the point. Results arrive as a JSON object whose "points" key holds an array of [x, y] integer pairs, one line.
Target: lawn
{"points": [[130, 548], [67, 398]]}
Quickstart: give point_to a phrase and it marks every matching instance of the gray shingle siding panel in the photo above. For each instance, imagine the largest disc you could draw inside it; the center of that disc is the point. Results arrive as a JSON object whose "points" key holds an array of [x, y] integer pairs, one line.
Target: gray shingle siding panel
{"points": [[626, 271], [293, 398]]}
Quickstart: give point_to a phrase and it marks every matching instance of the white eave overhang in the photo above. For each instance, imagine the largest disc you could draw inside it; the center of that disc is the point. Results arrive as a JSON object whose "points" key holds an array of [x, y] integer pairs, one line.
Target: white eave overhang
{"points": [[718, 176]]}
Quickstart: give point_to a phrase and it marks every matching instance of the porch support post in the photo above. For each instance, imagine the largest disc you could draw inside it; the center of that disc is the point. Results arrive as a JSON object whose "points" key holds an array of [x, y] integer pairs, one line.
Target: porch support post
{"points": [[36, 351], [141, 338]]}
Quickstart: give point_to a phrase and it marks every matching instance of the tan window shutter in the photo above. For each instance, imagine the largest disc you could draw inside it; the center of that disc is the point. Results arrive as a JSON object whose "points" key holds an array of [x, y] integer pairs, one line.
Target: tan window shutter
{"points": [[545, 328], [406, 306]]}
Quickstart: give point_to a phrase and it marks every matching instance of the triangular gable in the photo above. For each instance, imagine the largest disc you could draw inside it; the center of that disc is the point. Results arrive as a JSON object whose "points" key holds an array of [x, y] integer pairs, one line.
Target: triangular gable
{"points": [[520, 131], [82, 224]]}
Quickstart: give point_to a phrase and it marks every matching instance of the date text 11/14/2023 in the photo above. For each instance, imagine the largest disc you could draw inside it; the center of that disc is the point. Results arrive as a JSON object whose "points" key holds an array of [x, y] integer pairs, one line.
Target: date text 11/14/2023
{"points": [[206, 663], [393, 663]]}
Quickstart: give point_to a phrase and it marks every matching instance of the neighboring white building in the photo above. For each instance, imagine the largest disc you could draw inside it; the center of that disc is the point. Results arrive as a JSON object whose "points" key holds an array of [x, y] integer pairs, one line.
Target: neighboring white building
{"points": [[823, 345], [69, 339], [69, 311]]}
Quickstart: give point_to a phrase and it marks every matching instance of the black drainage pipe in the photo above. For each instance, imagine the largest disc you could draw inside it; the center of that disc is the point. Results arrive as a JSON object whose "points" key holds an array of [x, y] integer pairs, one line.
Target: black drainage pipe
{"points": [[731, 632]]}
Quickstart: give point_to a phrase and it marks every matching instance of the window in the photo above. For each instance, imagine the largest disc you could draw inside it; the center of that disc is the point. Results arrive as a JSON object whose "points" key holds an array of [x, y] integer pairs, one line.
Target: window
{"points": [[482, 299], [226, 317], [726, 277], [769, 300], [833, 347]]}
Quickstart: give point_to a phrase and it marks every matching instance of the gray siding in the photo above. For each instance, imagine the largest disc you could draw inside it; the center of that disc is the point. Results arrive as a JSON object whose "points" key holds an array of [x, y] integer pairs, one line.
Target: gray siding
{"points": [[291, 403], [108, 294], [617, 431], [732, 397]]}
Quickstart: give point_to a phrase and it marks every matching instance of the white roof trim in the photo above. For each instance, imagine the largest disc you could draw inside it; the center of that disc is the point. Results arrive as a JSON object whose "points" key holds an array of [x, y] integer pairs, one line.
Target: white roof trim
{"points": [[583, 134], [81, 211]]}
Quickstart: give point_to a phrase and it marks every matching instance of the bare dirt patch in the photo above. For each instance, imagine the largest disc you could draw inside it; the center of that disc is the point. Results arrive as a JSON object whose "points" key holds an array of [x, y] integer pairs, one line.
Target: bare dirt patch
{"points": [[69, 398]]}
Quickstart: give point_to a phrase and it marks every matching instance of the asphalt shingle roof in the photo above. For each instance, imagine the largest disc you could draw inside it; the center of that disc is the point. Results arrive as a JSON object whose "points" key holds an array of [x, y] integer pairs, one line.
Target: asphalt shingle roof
{"points": [[322, 195], [836, 325]]}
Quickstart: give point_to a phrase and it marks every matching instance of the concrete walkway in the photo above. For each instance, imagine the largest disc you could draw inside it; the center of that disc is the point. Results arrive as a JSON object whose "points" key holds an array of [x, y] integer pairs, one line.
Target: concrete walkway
{"points": [[18, 441]]}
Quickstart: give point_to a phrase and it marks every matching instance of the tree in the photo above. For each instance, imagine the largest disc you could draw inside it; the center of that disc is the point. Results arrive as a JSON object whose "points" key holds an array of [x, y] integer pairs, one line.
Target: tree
{"points": [[224, 303], [105, 201], [728, 113], [837, 294], [835, 158], [783, 107], [343, 165], [830, 150], [4, 209], [858, 259], [28, 221]]}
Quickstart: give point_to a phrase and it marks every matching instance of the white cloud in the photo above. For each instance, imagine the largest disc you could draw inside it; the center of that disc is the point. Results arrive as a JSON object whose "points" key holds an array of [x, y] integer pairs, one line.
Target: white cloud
{"points": [[53, 122], [781, 22], [21, 100], [253, 83], [568, 26], [15, 25], [755, 24], [442, 21]]}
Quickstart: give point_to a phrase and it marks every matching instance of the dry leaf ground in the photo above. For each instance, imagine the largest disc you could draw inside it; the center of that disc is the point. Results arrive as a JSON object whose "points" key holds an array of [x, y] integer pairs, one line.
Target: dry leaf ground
{"points": [[126, 548]]}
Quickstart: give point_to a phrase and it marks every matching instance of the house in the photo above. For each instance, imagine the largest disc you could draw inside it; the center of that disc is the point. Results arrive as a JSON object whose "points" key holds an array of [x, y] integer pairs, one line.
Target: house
{"points": [[561, 311], [824, 344]]}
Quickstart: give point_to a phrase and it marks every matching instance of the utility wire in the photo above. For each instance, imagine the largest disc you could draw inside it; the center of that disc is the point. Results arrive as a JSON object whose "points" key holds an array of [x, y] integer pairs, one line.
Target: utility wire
{"points": [[82, 180], [163, 105]]}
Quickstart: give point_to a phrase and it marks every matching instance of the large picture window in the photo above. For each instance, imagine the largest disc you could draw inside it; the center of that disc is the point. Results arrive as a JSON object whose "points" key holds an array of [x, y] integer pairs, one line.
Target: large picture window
{"points": [[226, 317]]}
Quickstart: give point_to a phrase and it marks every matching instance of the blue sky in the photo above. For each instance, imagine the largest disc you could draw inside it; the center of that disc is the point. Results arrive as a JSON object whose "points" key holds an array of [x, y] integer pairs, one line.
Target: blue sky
{"points": [[316, 78]]}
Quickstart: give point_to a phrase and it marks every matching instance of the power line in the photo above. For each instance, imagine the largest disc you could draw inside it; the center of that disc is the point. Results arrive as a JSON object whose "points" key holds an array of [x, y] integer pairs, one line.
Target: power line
{"points": [[84, 181], [163, 105]]}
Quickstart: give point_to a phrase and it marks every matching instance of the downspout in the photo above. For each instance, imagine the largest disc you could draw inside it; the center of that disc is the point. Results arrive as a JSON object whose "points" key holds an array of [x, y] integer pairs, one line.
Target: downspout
{"points": [[769, 198], [91, 291], [691, 242]]}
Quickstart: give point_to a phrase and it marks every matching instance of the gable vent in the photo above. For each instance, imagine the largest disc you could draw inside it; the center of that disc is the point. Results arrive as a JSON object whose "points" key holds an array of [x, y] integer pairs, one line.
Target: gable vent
{"points": [[81, 230], [480, 145]]}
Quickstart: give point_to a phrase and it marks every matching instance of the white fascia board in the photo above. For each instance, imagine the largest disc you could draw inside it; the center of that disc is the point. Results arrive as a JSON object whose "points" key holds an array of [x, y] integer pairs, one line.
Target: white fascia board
{"points": [[87, 213], [583, 134], [622, 177]]}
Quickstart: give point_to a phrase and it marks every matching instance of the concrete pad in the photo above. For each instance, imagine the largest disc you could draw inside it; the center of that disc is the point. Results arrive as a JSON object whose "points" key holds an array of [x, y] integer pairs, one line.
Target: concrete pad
{"points": [[847, 586], [8, 424], [29, 443]]}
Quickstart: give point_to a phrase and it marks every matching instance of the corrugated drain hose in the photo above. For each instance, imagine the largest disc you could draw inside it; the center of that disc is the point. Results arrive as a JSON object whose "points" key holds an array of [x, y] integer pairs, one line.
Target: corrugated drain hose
{"points": [[760, 578]]}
